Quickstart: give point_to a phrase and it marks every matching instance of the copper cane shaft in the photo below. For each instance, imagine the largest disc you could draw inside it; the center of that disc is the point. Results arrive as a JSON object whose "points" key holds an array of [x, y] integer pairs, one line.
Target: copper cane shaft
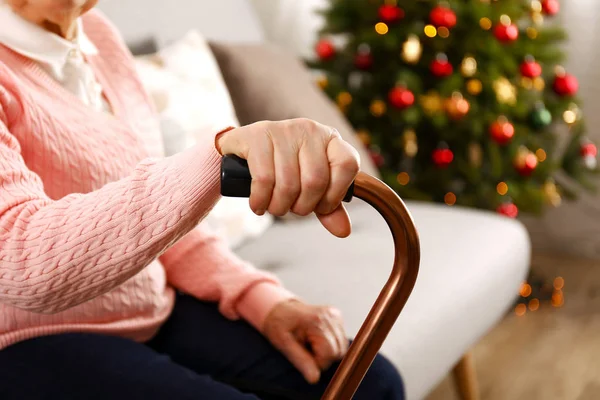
{"points": [[392, 298]]}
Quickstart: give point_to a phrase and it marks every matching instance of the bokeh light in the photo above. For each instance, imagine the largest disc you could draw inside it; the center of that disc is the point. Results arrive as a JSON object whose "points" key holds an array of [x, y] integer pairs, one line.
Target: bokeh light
{"points": [[403, 178], [502, 188], [430, 31], [381, 28], [450, 199]]}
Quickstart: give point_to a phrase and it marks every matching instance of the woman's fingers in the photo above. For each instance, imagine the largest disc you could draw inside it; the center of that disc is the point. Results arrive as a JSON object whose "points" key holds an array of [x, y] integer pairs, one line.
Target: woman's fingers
{"points": [[300, 358], [262, 168], [344, 166], [296, 165], [314, 175], [287, 171], [335, 329], [336, 324]]}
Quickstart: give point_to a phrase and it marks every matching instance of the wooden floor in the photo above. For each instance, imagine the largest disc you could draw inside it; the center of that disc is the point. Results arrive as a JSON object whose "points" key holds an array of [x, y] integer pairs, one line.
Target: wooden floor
{"points": [[549, 354]]}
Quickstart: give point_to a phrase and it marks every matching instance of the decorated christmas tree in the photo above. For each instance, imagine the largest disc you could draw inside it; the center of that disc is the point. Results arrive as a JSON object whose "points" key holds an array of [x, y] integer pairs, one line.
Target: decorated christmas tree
{"points": [[463, 102]]}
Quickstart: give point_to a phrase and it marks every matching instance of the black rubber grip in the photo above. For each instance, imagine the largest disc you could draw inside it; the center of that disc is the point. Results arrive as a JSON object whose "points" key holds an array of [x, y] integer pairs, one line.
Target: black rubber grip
{"points": [[236, 179]]}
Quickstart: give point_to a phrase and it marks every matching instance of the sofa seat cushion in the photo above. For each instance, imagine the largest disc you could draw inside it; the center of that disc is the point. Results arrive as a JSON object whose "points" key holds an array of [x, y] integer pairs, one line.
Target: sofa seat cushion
{"points": [[472, 264]]}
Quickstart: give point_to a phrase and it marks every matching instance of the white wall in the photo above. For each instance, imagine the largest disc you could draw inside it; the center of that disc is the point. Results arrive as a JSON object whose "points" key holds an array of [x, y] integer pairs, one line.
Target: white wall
{"points": [[291, 23], [165, 21]]}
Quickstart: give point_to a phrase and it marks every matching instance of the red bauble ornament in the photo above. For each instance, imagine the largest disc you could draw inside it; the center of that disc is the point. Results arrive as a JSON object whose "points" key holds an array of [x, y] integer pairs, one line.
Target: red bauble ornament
{"points": [[401, 98], [502, 132], [442, 158], [390, 14], [530, 68], [526, 164], [363, 60], [325, 49], [566, 85], [550, 7], [589, 154], [508, 209], [377, 158], [440, 67], [589, 150], [506, 33], [442, 16]]}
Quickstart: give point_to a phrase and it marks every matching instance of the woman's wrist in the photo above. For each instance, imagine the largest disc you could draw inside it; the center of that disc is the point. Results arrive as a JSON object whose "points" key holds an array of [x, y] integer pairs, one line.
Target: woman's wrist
{"points": [[255, 305]]}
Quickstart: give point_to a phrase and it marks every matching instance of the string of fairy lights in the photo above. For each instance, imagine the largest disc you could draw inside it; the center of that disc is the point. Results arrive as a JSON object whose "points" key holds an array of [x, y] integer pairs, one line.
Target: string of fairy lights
{"points": [[529, 303]]}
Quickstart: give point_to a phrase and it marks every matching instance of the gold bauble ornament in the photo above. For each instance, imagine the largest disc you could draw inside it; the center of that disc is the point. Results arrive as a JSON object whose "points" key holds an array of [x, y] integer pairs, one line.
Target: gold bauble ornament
{"points": [[539, 84], [570, 117], [412, 50], [541, 155], [378, 108], [475, 154], [409, 142], [323, 82], [344, 99], [526, 83], [532, 33], [432, 102], [457, 107], [364, 137], [506, 92], [468, 67], [572, 114], [551, 193], [474, 86], [485, 23]]}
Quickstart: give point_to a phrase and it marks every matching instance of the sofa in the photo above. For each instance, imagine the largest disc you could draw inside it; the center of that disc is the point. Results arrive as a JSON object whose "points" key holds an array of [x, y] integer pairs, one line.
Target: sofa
{"points": [[473, 262]]}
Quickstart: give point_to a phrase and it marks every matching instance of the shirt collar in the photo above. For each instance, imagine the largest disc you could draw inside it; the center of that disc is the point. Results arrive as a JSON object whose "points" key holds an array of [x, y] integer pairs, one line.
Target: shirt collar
{"points": [[34, 42]]}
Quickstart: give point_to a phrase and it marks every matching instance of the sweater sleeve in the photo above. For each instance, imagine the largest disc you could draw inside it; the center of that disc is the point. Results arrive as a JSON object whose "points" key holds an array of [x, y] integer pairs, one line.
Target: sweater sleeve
{"points": [[202, 265], [57, 254]]}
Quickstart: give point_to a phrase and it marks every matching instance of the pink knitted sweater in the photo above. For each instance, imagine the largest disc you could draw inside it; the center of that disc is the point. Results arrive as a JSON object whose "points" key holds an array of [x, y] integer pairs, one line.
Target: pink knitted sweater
{"points": [[97, 228]]}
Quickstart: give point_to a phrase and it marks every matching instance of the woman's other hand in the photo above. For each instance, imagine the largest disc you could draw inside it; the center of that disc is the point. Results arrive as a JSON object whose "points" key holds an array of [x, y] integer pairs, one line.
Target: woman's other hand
{"points": [[312, 338], [297, 165]]}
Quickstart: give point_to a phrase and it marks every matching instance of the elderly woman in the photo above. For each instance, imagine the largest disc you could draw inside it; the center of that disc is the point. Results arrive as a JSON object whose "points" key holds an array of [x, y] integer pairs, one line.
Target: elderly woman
{"points": [[109, 287]]}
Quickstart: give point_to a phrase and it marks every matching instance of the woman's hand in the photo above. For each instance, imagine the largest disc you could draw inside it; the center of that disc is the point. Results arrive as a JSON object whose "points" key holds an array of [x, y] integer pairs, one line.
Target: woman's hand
{"points": [[311, 337], [296, 165]]}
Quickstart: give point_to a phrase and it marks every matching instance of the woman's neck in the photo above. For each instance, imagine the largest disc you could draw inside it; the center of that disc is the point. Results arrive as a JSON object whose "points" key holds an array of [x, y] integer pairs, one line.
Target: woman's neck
{"points": [[62, 23], [67, 29]]}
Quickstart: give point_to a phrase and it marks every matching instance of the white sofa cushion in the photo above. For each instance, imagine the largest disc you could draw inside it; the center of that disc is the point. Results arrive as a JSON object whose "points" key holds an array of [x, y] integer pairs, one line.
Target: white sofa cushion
{"points": [[472, 266]]}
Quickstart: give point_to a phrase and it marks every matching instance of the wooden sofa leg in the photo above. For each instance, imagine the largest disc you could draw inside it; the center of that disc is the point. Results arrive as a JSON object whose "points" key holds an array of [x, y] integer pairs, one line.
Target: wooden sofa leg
{"points": [[465, 378]]}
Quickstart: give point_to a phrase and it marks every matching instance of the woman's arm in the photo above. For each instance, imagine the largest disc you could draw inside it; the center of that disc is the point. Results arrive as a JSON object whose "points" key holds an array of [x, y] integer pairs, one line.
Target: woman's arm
{"points": [[202, 265], [57, 254]]}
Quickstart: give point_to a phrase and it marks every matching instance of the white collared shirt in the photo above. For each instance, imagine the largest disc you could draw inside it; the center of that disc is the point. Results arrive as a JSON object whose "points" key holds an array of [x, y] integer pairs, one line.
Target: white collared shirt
{"points": [[64, 60]]}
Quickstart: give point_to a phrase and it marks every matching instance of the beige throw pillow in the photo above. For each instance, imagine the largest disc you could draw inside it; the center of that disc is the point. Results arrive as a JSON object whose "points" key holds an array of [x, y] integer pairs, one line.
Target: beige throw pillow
{"points": [[267, 83], [192, 99]]}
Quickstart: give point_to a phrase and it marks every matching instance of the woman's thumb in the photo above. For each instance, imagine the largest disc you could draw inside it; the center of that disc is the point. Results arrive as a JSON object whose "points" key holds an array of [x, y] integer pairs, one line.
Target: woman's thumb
{"points": [[337, 223]]}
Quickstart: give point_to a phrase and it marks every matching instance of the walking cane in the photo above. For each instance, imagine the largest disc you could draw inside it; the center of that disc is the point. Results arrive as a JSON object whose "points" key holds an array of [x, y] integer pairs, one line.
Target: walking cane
{"points": [[236, 181]]}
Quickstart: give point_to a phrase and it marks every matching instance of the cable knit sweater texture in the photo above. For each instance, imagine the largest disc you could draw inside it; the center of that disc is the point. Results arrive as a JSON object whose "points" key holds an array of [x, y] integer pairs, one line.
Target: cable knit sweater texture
{"points": [[97, 228]]}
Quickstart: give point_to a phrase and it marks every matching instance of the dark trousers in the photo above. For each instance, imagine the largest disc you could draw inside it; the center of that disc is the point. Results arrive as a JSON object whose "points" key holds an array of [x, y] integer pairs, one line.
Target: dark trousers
{"points": [[198, 354]]}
